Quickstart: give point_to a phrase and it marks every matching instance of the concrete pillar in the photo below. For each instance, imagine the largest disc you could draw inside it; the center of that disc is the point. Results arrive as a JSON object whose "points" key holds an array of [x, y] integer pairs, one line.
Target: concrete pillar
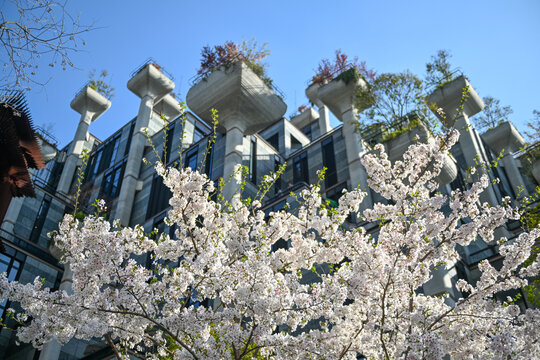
{"points": [[234, 142], [12, 214], [51, 350], [449, 99], [91, 105], [245, 105], [151, 85], [324, 115], [339, 98], [324, 119], [505, 138]]}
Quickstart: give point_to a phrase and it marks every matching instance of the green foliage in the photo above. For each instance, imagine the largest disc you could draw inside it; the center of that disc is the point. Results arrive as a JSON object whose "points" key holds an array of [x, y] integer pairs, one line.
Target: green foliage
{"points": [[393, 97], [493, 114], [531, 220], [101, 83], [533, 132], [438, 71], [401, 130], [218, 56]]}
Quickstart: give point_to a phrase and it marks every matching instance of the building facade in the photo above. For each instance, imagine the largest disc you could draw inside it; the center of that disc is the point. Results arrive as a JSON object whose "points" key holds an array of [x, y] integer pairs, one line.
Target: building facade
{"points": [[253, 132]]}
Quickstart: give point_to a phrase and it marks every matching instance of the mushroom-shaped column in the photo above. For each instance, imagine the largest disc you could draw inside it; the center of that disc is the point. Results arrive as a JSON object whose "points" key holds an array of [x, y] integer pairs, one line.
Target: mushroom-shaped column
{"points": [[51, 350], [152, 86], [505, 138], [456, 95], [307, 117], [324, 117], [245, 106], [339, 97], [168, 107], [91, 105]]}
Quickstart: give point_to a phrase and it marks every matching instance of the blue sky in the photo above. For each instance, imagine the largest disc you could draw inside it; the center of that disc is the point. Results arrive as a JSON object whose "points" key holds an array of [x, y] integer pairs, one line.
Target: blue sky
{"points": [[495, 43]]}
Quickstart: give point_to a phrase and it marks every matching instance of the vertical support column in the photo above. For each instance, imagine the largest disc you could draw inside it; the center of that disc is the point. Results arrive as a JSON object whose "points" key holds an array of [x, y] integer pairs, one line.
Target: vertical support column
{"points": [[338, 96], [91, 105], [355, 150], [152, 86], [514, 175], [133, 164], [471, 149], [51, 350], [75, 150], [233, 157], [324, 119]]}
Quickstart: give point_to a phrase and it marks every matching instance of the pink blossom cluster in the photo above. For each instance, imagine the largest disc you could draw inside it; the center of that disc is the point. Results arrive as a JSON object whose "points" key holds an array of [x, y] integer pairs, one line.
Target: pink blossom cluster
{"points": [[335, 292]]}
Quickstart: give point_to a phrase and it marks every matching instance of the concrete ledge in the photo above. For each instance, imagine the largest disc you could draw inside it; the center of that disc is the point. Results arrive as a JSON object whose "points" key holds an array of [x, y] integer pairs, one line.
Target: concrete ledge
{"points": [[306, 117], [536, 170], [90, 100], [504, 137], [150, 82], [312, 94], [398, 146], [168, 106], [338, 96], [239, 95], [449, 97]]}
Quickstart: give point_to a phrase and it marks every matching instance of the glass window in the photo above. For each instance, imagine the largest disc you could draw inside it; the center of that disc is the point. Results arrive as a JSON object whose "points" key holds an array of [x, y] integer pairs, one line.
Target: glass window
{"points": [[198, 134], [274, 141], [191, 159], [10, 263], [159, 197], [307, 131], [110, 187], [130, 136], [40, 219], [300, 168], [329, 161], [253, 161], [168, 144]]}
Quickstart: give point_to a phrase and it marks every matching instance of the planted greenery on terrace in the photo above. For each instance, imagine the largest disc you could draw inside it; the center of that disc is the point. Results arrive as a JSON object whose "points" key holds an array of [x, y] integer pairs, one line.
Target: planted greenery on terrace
{"points": [[218, 56]]}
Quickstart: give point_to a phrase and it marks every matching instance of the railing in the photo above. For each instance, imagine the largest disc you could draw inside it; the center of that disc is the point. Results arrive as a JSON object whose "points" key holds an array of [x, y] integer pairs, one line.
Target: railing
{"points": [[153, 62], [285, 193], [82, 88], [26, 247], [443, 80], [45, 187], [46, 135], [199, 77], [332, 75]]}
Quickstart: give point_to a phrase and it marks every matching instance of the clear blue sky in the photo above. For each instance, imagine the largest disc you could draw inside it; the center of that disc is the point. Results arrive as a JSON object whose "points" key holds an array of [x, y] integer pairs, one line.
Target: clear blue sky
{"points": [[495, 43]]}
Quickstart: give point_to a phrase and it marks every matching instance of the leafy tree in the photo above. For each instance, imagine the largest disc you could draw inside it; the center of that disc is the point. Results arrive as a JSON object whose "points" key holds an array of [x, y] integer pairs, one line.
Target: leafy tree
{"points": [[328, 69], [533, 132], [398, 97], [33, 30], [492, 115], [249, 52], [367, 297], [101, 84], [439, 70]]}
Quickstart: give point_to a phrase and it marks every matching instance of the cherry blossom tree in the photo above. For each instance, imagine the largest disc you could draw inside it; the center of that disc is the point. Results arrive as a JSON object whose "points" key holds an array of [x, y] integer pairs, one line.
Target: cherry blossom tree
{"points": [[333, 293]]}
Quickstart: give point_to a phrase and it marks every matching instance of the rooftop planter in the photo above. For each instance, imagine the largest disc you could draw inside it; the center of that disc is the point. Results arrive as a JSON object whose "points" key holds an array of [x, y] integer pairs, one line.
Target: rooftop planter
{"points": [[168, 107], [305, 117], [536, 170], [504, 137], [342, 92], [88, 99], [150, 81], [240, 96], [398, 141], [450, 96]]}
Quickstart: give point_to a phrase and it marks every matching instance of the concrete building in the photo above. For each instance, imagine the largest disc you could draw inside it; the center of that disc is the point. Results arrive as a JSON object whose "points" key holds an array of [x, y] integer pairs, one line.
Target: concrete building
{"points": [[252, 132]]}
